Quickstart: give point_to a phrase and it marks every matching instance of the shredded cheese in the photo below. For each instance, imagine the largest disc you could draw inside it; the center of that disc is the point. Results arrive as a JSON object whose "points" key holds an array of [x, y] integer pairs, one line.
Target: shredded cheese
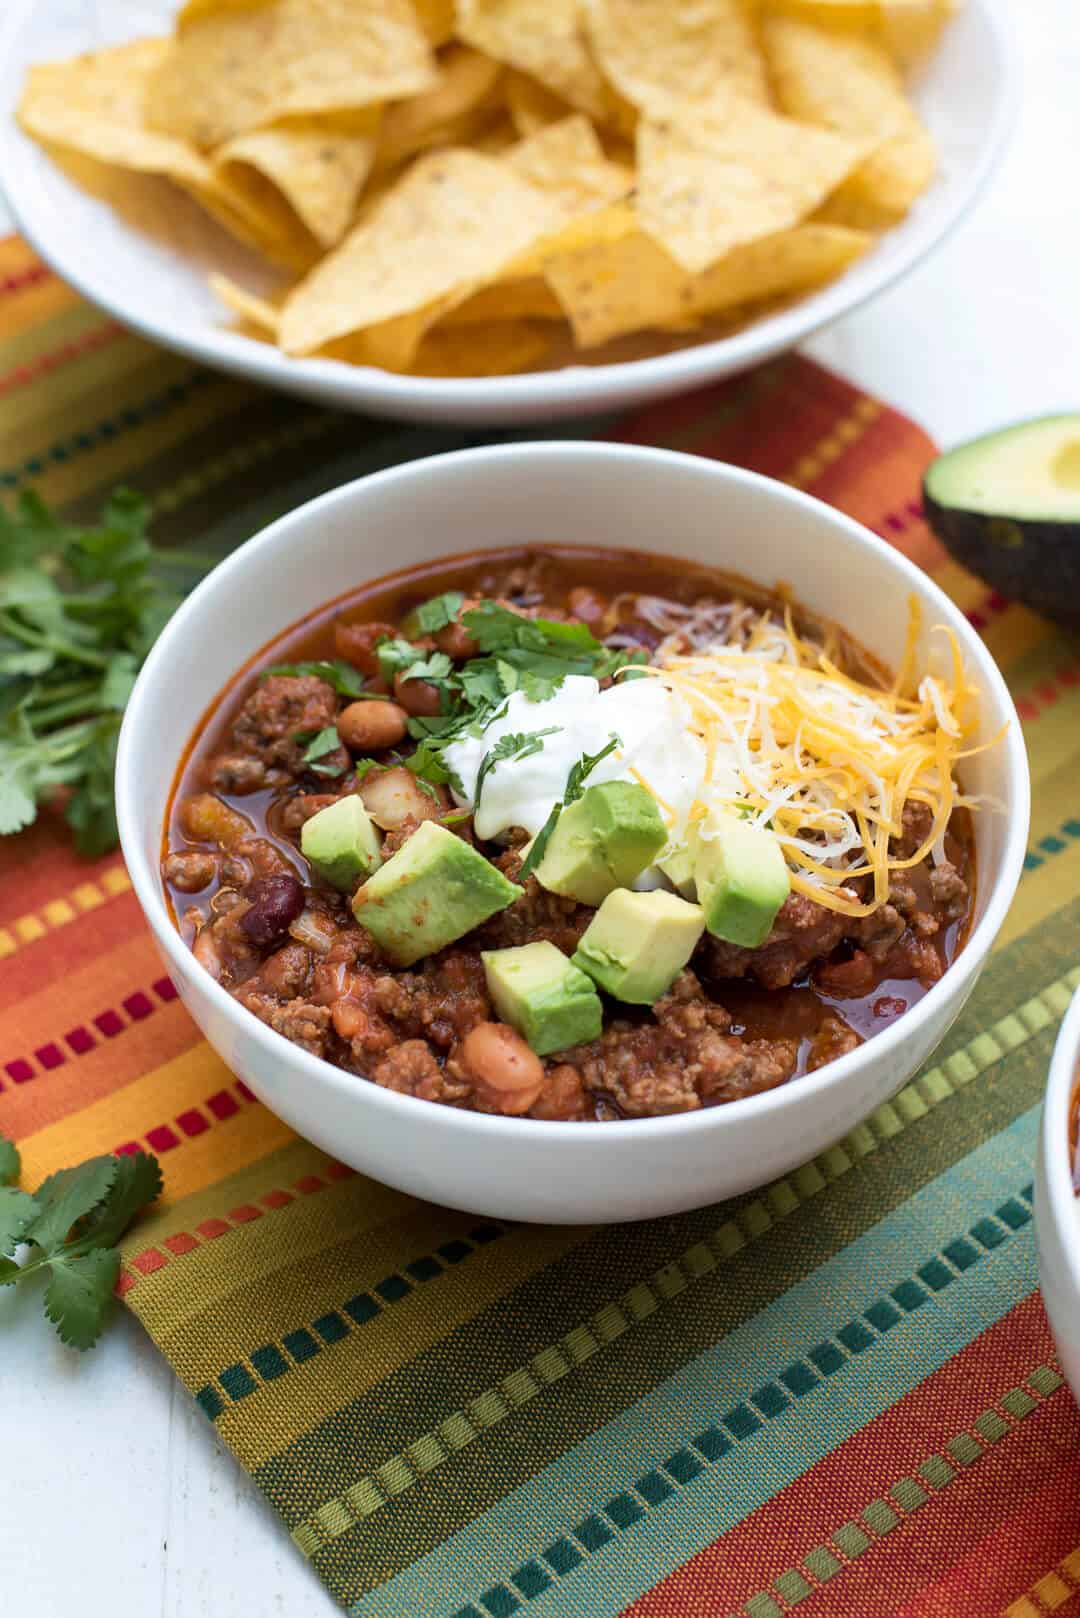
{"points": [[825, 760]]}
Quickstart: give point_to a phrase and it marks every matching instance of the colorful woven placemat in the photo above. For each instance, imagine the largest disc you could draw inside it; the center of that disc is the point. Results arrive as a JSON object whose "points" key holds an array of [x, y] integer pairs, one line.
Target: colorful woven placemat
{"points": [[836, 1396]]}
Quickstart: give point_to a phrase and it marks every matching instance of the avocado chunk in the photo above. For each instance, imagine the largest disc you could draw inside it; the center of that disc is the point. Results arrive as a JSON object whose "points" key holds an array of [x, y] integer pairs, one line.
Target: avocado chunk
{"points": [[1007, 506], [742, 879], [637, 944], [602, 842], [341, 843], [677, 864], [434, 889], [542, 994]]}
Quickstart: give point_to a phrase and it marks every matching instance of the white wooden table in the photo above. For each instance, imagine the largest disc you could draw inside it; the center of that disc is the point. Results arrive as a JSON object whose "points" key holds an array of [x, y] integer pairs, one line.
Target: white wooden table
{"points": [[119, 1501]]}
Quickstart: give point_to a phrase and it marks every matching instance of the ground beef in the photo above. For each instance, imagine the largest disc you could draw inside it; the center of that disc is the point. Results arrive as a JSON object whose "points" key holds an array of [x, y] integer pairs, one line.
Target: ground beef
{"points": [[305, 1024], [413, 1070], [950, 891], [833, 1038], [440, 1002], [802, 932], [537, 914], [277, 709], [915, 822], [237, 773], [681, 1058], [563, 1096], [878, 932]]}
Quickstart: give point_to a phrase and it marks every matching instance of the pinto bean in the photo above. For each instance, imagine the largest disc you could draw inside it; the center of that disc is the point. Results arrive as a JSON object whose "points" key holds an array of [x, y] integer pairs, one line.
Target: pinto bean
{"points": [[418, 697], [276, 902], [507, 1073], [368, 727], [356, 644], [189, 872], [206, 819]]}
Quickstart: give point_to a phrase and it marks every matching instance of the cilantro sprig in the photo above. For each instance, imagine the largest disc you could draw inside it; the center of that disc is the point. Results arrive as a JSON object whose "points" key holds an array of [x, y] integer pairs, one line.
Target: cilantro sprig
{"points": [[520, 744], [576, 777], [80, 608], [346, 680], [69, 1229]]}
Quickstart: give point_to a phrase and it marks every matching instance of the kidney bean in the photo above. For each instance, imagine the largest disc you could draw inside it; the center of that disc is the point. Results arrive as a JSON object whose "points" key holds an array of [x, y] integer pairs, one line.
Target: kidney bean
{"points": [[368, 727], [509, 1074], [276, 901], [418, 697]]}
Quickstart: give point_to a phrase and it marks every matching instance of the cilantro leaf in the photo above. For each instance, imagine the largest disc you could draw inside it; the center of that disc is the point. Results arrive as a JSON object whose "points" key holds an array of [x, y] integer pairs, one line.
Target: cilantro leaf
{"points": [[80, 608], [540, 843], [70, 1229], [321, 743], [435, 614], [575, 779], [10, 1163], [79, 1293], [138, 1181], [519, 745], [346, 680], [496, 628], [580, 772], [17, 1209], [68, 1196]]}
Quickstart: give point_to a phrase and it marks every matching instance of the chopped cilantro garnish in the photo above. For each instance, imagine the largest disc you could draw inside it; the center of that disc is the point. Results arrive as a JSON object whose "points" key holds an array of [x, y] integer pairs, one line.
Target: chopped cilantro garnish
{"points": [[346, 681], [435, 614], [575, 787], [319, 744], [519, 745]]}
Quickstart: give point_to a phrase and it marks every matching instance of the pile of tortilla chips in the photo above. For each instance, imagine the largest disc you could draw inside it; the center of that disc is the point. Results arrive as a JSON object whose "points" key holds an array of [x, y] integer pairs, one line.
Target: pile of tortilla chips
{"points": [[468, 187]]}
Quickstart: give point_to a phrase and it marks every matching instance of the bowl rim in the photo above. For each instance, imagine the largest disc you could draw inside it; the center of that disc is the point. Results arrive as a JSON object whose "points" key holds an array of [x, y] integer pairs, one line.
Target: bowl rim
{"points": [[1062, 1202], [590, 387], [261, 547]]}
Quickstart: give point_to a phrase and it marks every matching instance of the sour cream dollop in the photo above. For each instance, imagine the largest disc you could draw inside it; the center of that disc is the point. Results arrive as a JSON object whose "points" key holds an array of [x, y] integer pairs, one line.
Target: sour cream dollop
{"points": [[655, 749]]}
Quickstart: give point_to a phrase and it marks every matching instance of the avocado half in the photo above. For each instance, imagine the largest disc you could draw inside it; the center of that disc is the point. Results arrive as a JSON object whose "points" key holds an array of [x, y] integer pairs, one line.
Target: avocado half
{"points": [[1007, 506]]}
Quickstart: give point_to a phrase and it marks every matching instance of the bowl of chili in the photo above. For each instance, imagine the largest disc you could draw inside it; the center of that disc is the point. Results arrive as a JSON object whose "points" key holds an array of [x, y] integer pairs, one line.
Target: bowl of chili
{"points": [[597, 563]]}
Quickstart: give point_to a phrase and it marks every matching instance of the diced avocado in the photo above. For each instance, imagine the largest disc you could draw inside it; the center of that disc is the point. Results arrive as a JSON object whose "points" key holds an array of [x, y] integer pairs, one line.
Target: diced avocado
{"points": [[549, 1000], [342, 844], [677, 864], [637, 944], [434, 889], [602, 842], [742, 879], [1007, 506]]}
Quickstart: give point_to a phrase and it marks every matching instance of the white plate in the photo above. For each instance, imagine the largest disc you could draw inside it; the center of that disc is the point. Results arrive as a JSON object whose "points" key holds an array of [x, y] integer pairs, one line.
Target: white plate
{"points": [[157, 282]]}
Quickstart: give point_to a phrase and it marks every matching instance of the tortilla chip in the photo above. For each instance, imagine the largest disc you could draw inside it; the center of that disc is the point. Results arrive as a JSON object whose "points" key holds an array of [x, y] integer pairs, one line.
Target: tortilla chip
{"points": [[500, 138], [517, 345], [567, 163], [94, 105], [529, 298], [256, 312], [318, 168], [233, 70], [541, 37], [668, 56], [532, 107], [428, 242], [848, 82], [912, 29], [437, 19], [201, 8], [621, 285], [463, 100], [706, 190], [791, 261]]}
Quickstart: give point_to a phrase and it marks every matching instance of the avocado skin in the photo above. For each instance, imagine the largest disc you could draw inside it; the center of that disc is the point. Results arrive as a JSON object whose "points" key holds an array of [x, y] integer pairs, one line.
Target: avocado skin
{"points": [[1034, 562]]}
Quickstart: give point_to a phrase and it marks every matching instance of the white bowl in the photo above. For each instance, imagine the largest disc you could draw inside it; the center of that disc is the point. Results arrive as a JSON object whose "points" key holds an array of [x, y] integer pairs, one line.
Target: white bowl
{"points": [[1057, 1208], [157, 284], [588, 493]]}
